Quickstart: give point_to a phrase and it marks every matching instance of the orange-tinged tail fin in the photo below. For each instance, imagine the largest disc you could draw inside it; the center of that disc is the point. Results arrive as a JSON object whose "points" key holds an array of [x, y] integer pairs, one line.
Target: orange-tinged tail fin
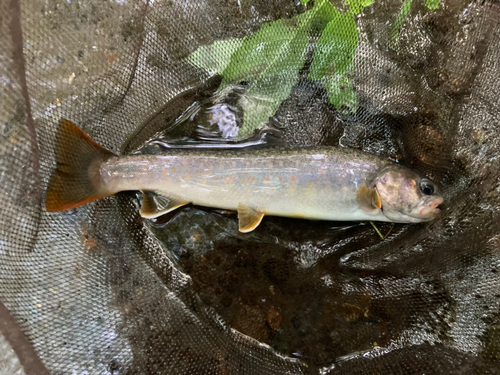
{"points": [[77, 179]]}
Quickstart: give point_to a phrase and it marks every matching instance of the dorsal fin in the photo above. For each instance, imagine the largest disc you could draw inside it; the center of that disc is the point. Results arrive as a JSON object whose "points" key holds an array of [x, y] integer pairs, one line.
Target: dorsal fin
{"points": [[154, 204], [248, 218]]}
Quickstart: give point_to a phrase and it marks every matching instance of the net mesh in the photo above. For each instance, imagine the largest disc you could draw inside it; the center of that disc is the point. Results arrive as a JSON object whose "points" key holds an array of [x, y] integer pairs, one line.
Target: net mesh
{"points": [[98, 290]]}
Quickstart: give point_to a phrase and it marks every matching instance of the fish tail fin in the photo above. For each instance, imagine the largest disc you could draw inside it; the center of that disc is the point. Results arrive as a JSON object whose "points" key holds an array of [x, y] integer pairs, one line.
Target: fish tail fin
{"points": [[77, 179]]}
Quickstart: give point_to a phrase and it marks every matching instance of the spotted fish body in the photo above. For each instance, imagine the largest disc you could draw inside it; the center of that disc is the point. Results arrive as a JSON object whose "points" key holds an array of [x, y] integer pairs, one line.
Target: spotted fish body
{"points": [[324, 183], [313, 183]]}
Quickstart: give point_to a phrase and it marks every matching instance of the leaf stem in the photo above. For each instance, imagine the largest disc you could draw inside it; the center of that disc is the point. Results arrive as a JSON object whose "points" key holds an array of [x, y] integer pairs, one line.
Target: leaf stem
{"points": [[382, 237]]}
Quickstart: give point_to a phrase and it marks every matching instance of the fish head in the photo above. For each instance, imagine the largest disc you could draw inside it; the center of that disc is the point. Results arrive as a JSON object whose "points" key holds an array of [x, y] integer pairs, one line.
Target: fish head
{"points": [[407, 197]]}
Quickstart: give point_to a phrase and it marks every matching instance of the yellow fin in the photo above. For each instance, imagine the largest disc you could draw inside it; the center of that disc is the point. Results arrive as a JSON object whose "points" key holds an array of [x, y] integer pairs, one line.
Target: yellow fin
{"points": [[368, 199], [154, 204], [249, 218]]}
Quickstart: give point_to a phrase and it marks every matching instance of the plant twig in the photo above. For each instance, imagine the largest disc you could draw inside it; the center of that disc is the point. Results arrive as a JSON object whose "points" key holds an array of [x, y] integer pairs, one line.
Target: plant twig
{"points": [[382, 237], [376, 230]]}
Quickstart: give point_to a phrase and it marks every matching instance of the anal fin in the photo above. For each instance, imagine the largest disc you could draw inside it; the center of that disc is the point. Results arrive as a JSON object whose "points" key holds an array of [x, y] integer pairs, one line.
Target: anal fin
{"points": [[368, 199], [154, 204], [248, 218]]}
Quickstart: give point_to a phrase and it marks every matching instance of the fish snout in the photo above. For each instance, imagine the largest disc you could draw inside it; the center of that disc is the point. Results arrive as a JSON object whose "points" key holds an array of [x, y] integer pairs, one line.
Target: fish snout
{"points": [[432, 208]]}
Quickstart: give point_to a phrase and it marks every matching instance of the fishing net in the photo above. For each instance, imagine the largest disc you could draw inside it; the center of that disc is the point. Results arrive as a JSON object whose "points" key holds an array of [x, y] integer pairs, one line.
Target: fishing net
{"points": [[98, 290]]}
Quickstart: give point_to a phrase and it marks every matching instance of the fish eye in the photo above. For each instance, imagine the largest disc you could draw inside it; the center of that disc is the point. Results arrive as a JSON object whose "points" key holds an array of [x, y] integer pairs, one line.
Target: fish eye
{"points": [[426, 186]]}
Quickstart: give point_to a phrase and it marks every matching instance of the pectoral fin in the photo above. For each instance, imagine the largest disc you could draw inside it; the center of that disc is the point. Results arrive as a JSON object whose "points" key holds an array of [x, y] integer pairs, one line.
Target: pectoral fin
{"points": [[249, 218], [368, 199], [154, 205]]}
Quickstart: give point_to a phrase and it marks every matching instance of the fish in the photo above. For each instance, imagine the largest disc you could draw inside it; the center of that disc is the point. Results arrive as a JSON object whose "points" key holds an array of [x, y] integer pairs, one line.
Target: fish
{"points": [[318, 183]]}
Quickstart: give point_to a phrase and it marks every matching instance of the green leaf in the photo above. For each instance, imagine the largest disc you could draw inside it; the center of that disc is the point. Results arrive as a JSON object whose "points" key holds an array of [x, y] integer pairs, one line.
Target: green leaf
{"points": [[269, 61], [335, 48], [304, 1], [215, 57], [322, 13], [357, 6], [332, 59], [432, 4], [401, 17], [340, 92], [267, 52], [260, 103]]}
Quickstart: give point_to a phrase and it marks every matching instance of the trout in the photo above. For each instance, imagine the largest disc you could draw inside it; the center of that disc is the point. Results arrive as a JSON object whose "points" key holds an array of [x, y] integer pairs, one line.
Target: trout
{"points": [[323, 183]]}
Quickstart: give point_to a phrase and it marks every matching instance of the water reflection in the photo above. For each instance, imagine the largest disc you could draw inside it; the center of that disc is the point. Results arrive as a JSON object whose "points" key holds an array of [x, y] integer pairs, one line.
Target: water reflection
{"points": [[213, 123]]}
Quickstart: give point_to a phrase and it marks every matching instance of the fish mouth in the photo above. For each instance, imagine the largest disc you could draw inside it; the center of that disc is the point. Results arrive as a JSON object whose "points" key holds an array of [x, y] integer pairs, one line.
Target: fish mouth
{"points": [[431, 209]]}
